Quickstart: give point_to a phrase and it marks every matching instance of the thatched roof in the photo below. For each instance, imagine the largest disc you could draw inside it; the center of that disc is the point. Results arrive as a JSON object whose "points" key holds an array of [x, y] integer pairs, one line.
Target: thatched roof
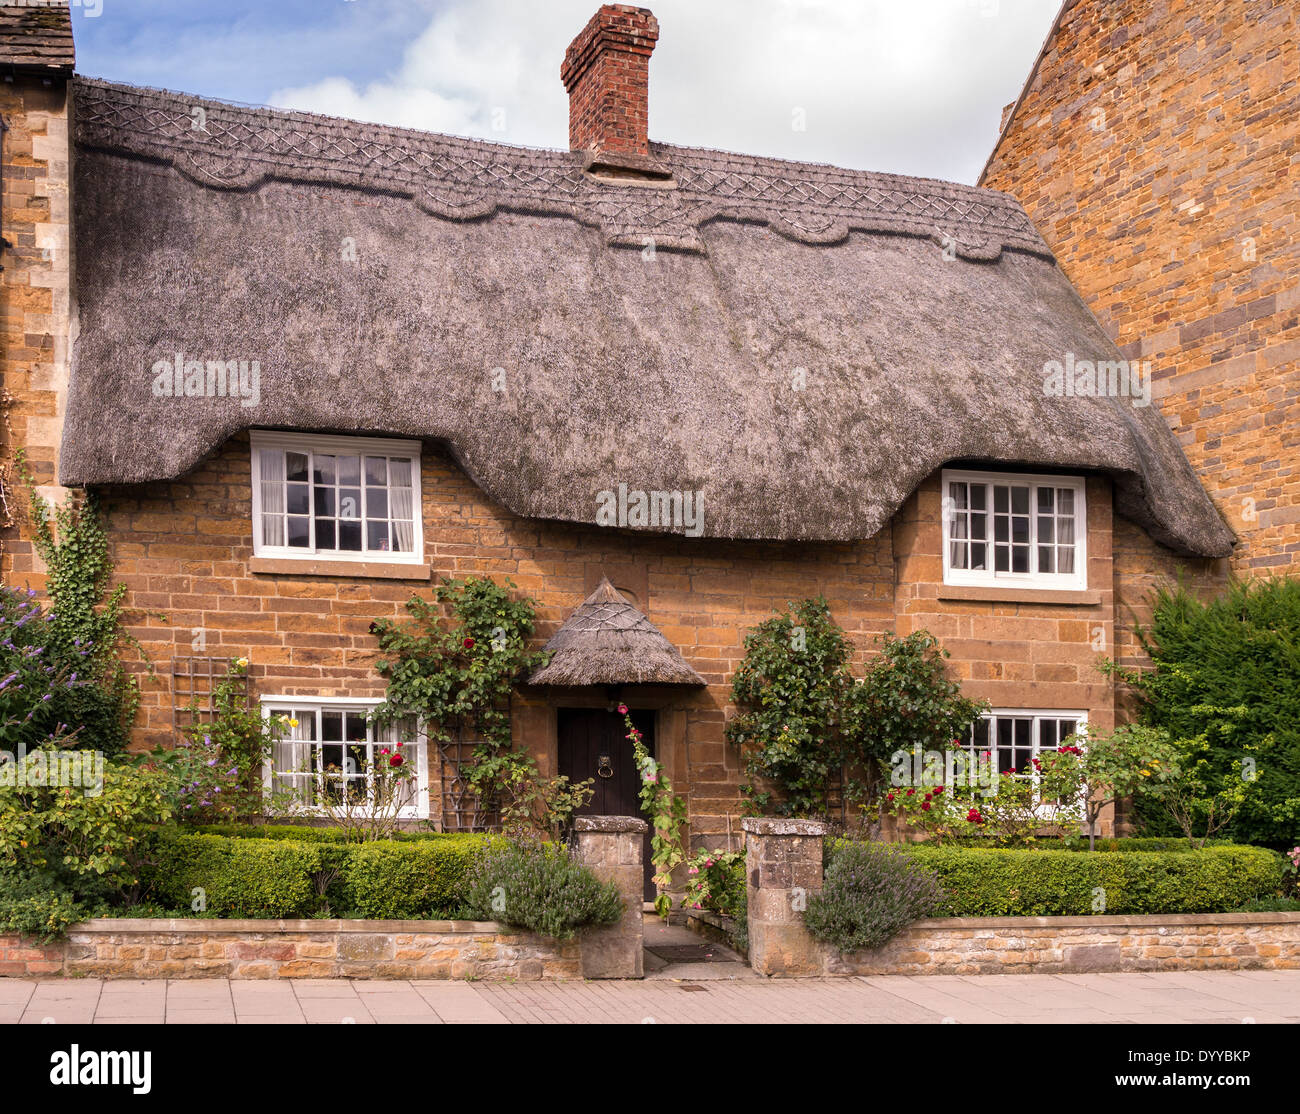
{"points": [[607, 641], [794, 344], [36, 37]]}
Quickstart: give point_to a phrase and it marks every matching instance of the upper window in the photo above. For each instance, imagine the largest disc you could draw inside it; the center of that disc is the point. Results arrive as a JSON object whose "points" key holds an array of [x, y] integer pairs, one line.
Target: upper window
{"points": [[1016, 530], [343, 498]]}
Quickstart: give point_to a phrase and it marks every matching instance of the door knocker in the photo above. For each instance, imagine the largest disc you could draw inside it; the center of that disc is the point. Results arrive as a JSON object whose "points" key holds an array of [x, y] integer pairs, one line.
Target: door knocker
{"points": [[603, 767]]}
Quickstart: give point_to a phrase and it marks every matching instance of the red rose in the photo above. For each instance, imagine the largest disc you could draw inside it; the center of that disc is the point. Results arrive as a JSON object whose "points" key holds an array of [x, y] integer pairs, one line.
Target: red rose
{"points": [[395, 760], [911, 792], [468, 644], [889, 797], [938, 789], [925, 807]]}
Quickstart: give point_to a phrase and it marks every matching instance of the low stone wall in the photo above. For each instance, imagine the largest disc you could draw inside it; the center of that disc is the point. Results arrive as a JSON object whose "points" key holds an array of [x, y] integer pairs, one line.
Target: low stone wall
{"points": [[783, 859], [205, 948], [1048, 945]]}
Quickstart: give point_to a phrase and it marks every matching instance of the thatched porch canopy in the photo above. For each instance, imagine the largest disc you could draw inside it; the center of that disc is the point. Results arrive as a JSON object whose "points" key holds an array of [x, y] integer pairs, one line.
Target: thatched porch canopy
{"points": [[607, 641]]}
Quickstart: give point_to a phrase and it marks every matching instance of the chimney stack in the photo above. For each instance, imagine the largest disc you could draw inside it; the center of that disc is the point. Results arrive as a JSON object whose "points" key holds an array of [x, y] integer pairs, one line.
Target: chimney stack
{"points": [[607, 74]]}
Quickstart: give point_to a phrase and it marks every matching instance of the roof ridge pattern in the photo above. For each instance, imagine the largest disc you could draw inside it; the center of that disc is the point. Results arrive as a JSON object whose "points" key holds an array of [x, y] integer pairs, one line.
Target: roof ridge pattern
{"points": [[225, 146]]}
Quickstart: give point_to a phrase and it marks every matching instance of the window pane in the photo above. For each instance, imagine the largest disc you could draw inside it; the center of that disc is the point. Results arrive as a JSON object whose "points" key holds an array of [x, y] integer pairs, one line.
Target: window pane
{"points": [[296, 466], [300, 533], [1046, 559], [297, 499], [349, 470], [979, 497], [377, 471], [399, 472], [1000, 500], [1002, 559], [1046, 529], [376, 502], [325, 501], [350, 502], [1001, 529], [958, 492], [1020, 559], [1066, 560], [377, 536], [326, 537], [1045, 499], [979, 555], [1020, 529], [350, 536], [1020, 500], [324, 470], [1065, 498]]}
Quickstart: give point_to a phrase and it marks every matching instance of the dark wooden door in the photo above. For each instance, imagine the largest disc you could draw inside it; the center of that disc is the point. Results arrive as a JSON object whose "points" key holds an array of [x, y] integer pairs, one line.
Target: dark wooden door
{"points": [[593, 744]]}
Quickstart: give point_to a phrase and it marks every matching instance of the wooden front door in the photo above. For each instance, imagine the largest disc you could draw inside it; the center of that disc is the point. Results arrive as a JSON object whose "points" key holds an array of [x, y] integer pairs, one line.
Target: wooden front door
{"points": [[593, 744]]}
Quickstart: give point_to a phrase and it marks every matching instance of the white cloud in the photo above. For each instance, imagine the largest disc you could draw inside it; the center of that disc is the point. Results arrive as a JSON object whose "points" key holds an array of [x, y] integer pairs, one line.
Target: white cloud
{"points": [[912, 88]]}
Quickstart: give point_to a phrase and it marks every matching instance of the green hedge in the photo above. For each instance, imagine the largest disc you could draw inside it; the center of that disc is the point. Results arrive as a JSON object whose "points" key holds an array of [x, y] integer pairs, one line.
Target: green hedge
{"points": [[992, 882], [315, 877], [304, 833]]}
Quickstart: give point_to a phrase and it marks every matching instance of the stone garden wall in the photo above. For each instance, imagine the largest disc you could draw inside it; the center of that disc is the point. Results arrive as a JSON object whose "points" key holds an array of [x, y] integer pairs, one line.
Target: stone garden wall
{"points": [[206, 948]]}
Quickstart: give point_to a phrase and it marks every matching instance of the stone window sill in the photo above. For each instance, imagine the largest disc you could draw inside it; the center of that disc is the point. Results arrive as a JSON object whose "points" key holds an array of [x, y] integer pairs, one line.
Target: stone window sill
{"points": [[352, 570], [1086, 597]]}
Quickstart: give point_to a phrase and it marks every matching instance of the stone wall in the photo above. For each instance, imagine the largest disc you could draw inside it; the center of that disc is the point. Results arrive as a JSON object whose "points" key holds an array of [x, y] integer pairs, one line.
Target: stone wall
{"points": [[1052, 945], [197, 948], [38, 314], [1154, 149], [784, 865]]}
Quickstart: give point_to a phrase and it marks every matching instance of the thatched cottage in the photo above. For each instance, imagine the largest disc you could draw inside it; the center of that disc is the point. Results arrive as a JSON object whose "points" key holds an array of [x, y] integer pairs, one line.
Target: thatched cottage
{"points": [[312, 364]]}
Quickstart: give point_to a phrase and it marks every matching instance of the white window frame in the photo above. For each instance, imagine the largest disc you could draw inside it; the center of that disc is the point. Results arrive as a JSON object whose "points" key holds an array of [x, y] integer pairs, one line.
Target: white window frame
{"points": [[420, 744], [1061, 582], [336, 446], [1037, 715]]}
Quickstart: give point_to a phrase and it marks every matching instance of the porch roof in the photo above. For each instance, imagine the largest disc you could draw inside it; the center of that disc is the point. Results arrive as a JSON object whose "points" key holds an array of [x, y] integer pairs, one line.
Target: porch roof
{"points": [[607, 641]]}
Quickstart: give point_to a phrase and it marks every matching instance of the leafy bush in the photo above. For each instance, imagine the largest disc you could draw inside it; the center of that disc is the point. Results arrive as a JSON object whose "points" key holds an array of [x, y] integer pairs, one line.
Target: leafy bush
{"points": [[239, 877], [541, 888], [405, 881], [1227, 673], [1272, 905], [871, 892], [65, 850], [320, 875], [307, 833], [996, 882]]}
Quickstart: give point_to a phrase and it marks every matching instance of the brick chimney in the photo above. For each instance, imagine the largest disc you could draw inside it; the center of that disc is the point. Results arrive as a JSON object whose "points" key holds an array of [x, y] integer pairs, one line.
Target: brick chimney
{"points": [[607, 74]]}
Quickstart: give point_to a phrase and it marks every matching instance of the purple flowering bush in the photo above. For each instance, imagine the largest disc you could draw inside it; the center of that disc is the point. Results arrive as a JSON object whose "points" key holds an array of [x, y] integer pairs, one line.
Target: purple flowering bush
{"points": [[40, 679], [871, 892]]}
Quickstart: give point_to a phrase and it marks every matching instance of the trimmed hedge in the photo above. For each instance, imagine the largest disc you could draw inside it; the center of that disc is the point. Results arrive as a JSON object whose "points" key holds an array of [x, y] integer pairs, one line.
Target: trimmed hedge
{"points": [[316, 877], [303, 833], [995, 882]]}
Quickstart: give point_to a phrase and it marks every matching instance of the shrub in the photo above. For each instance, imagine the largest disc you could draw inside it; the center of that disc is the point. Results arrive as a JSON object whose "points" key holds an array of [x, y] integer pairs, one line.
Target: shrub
{"points": [[307, 833], [310, 872], [995, 882], [67, 850], [871, 892], [406, 881], [541, 888], [1226, 675], [239, 877]]}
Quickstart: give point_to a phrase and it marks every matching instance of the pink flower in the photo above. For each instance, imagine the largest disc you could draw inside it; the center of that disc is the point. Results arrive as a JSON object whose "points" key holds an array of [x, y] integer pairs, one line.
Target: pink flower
{"points": [[622, 709]]}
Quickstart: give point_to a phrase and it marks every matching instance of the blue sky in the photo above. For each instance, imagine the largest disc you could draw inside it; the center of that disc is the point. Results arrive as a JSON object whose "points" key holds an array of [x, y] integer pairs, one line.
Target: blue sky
{"points": [[908, 87]]}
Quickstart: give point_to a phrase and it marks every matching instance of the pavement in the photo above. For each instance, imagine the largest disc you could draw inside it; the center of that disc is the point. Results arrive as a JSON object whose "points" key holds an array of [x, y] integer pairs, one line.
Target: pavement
{"points": [[1234, 997]]}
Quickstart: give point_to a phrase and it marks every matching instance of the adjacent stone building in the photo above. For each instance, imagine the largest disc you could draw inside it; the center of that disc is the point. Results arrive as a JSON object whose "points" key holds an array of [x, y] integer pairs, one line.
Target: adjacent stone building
{"points": [[1155, 147], [317, 364]]}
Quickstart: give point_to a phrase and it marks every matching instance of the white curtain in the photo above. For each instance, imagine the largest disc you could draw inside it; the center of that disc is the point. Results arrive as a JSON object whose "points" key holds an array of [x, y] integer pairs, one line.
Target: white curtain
{"points": [[272, 465], [400, 499]]}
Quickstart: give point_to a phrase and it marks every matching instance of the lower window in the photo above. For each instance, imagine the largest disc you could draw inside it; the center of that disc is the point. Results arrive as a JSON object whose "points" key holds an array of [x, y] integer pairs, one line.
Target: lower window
{"points": [[329, 751], [1014, 738]]}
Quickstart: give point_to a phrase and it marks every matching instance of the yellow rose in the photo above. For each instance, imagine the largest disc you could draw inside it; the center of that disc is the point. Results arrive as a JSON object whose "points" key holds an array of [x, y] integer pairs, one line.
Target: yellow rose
{"points": [[293, 723]]}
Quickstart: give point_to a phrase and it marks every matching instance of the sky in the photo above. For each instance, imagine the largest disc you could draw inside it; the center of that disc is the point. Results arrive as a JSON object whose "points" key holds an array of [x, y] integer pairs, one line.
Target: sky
{"points": [[903, 86]]}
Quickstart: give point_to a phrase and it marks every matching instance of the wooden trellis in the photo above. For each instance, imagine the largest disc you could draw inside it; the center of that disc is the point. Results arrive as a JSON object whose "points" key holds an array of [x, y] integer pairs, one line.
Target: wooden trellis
{"points": [[194, 684], [463, 810]]}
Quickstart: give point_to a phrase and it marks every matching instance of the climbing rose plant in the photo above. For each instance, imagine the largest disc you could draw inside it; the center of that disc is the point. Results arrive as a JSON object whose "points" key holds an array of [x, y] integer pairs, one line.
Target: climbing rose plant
{"points": [[667, 813]]}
